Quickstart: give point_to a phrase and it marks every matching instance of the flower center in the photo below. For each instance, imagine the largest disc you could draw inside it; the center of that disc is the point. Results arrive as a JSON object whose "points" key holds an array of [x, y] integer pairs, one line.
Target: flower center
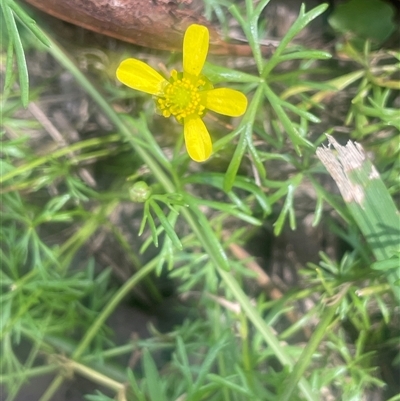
{"points": [[181, 97]]}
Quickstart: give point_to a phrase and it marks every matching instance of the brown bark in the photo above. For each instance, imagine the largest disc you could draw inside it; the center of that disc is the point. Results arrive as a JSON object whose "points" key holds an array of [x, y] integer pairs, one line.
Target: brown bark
{"points": [[158, 24]]}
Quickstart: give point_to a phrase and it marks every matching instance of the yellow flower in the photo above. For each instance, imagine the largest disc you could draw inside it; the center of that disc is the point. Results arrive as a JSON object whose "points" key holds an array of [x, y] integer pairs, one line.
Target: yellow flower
{"points": [[188, 94]]}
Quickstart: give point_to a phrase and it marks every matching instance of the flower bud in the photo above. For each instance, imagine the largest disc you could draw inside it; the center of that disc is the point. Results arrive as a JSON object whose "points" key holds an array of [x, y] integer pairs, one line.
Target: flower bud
{"points": [[139, 192]]}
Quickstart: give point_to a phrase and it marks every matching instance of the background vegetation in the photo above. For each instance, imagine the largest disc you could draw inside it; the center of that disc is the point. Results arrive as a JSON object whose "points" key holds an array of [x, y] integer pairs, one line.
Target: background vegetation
{"points": [[252, 279]]}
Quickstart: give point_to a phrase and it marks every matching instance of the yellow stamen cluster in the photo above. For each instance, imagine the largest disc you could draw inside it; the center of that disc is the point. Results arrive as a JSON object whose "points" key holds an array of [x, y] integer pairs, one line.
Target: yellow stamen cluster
{"points": [[181, 97]]}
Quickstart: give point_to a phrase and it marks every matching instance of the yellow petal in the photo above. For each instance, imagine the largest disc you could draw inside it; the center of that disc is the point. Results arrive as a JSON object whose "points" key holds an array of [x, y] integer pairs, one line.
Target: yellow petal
{"points": [[228, 102], [197, 139], [138, 75], [195, 49]]}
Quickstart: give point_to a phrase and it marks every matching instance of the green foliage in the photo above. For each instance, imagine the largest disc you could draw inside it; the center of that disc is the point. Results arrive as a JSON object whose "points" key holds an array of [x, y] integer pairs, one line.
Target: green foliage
{"points": [[10, 11], [239, 340], [372, 20], [98, 397]]}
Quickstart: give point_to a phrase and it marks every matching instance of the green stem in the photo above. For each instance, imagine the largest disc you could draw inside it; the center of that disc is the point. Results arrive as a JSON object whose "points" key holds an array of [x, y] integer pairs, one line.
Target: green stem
{"points": [[256, 319], [95, 376], [206, 235], [308, 352], [220, 357]]}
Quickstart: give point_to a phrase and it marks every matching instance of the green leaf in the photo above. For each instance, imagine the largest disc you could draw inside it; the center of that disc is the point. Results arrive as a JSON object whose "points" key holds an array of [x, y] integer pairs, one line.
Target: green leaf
{"points": [[395, 398], [244, 139], [168, 251], [29, 23], [217, 74], [372, 19], [202, 228], [387, 264], [135, 387], [217, 180], [153, 381], [19, 52], [306, 55], [304, 360], [302, 21], [236, 161], [147, 217], [183, 361], [287, 209], [206, 366], [229, 209], [224, 382], [9, 68], [292, 132], [302, 113], [166, 224], [98, 397]]}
